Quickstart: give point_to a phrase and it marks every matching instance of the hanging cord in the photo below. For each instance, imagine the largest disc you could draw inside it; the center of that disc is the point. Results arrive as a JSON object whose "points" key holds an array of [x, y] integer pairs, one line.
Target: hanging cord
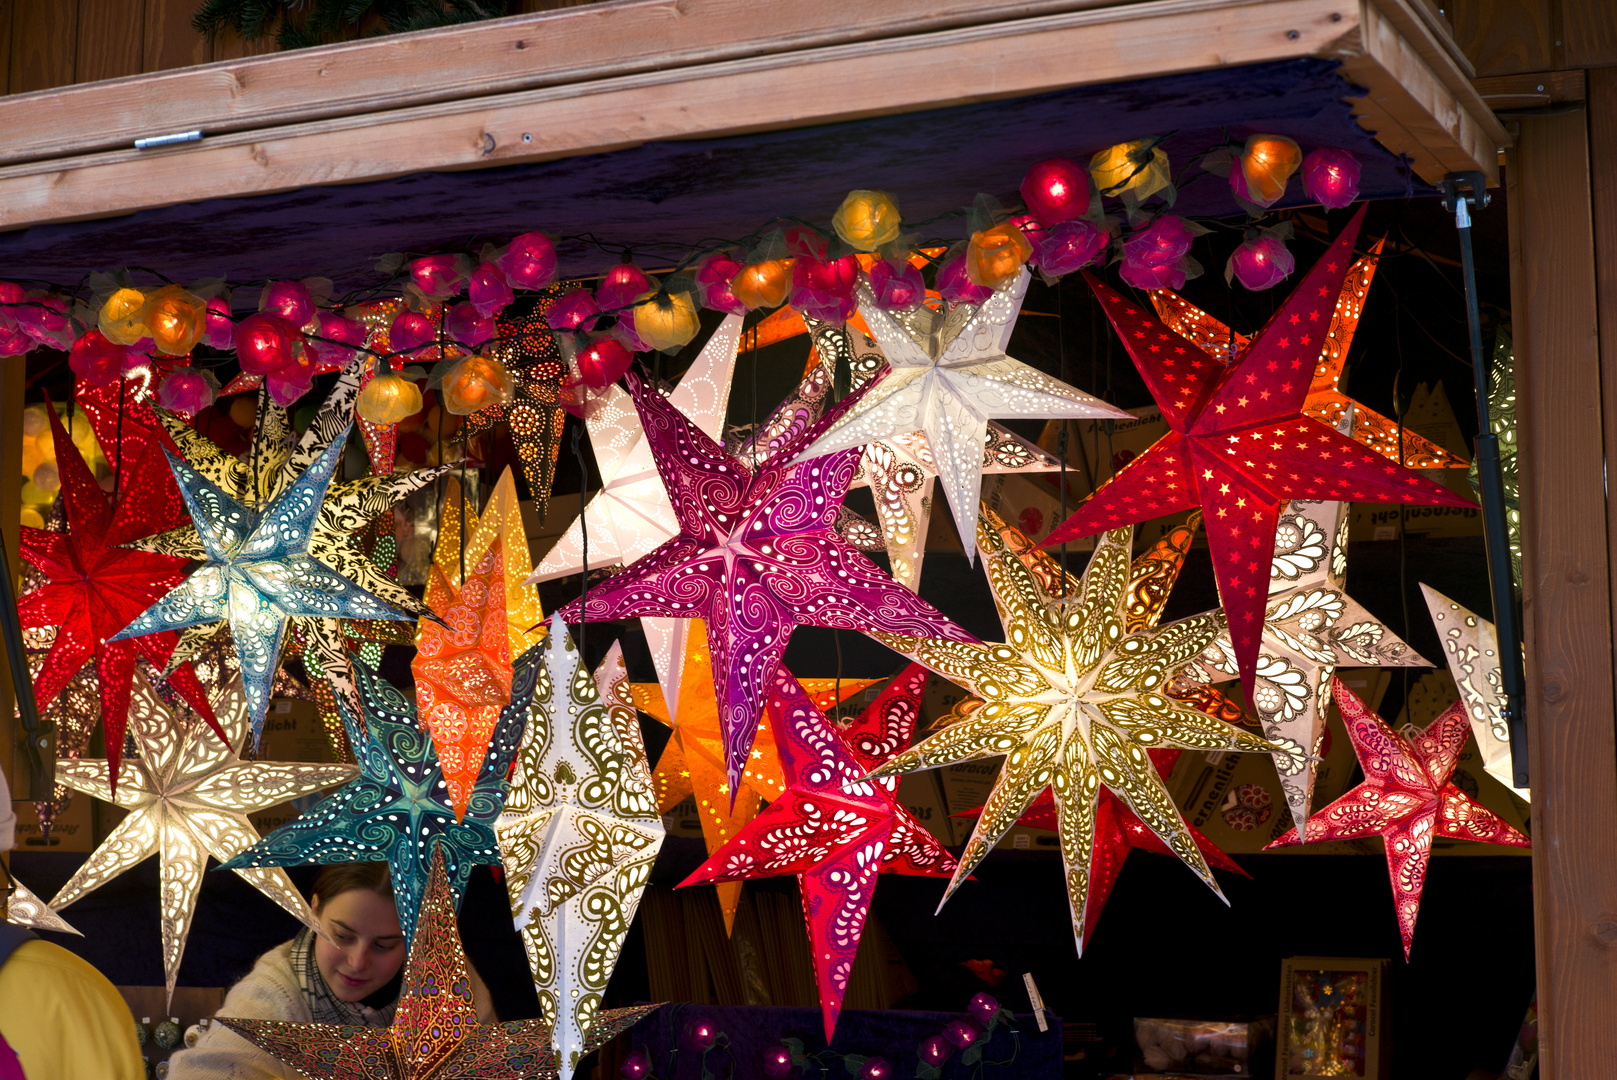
{"points": [[118, 452], [1403, 511], [583, 533], [1061, 440]]}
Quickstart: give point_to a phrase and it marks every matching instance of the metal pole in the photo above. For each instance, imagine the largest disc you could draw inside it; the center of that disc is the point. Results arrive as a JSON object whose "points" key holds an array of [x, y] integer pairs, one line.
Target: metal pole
{"points": [[1460, 192]]}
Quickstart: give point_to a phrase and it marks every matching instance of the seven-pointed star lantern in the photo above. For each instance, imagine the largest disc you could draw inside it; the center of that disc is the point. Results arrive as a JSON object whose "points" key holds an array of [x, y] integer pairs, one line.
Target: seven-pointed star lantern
{"points": [[188, 797], [835, 830], [578, 836], [950, 376], [435, 1034], [1239, 444], [1471, 647], [1406, 799], [1072, 702], [756, 557]]}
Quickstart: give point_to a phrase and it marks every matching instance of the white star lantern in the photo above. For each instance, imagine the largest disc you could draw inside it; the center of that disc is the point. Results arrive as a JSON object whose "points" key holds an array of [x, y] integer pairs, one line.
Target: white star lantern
{"points": [[1471, 646]]}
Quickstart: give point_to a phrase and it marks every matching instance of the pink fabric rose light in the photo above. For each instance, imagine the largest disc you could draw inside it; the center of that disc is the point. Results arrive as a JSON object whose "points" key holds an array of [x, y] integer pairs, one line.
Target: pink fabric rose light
{"points": [[410, 330], [897, 286], [488, 290], [264, 342], [1055, 191], [467, 325], [1331, 177], [603, 362], [572, 310], [1069, 246], [96, 360], [955, 286], [342, 334], [1261, 263], [438, 276], [44, 319], [220, 331], [622, 286], [186, 390], [1153, 258], [824, 290], [713, 277], [529, 261], [290, 300]]}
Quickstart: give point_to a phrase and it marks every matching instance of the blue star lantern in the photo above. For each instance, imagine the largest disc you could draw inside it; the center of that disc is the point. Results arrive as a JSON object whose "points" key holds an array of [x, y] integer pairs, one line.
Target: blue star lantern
{"points": [[399, 804]]}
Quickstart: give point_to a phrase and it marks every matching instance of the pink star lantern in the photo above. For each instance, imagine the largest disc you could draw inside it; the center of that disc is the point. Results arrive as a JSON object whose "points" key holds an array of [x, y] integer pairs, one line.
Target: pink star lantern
{"points": [[1239, 444], [756, 556], [1406, 799], [835, 830]]}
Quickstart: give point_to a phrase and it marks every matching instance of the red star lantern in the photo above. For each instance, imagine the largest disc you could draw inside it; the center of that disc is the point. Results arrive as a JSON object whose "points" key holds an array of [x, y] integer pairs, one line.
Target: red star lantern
{"points": [[1239, 444], [1406, 799]]}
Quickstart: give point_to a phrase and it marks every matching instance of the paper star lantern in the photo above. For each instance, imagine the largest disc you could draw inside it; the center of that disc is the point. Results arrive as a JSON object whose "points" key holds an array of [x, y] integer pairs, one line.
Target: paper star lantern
{"points": [[398, 806], [534, 415], [756, 557], [1502, 421], [1072, 702], [188, 797], [578, 836], [1326, 401], [435, 1034], [833, 829], [125, 424], [1311, 627], [631, 514], [26, 909], [94, 587], [1406, 799], [692, 762], [950, 376], [1239, 444], [1471, 647]]}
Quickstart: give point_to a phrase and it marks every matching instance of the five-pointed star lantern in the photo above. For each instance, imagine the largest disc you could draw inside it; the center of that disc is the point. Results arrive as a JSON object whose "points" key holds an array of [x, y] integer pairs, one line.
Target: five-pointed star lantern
{"points": [[435, 1034], [692, 762], [631, 515], [398, 806], [463, 663], [578, 836], [1406, 799], [94, 586], [259, 572], [756, 557], [534, 416], [1311, 627], [1471, 647], [1239, 444], [1072, 702], [188, 797], [1326, 401], [833, 829], [950, 376]]}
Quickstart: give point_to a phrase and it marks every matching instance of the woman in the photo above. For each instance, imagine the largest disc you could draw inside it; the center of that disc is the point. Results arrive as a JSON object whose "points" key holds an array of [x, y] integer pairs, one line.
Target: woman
{"points": [[352, 978]]}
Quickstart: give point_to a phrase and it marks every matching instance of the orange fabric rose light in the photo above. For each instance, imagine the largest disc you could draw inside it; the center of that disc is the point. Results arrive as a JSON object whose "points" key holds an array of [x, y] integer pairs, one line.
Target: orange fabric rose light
{"points": [[666, 321], [866, 220], [389, 398], [120, 320], [476, 383], [175, 319], [763, 285], [996, 255], [1266, 164]]}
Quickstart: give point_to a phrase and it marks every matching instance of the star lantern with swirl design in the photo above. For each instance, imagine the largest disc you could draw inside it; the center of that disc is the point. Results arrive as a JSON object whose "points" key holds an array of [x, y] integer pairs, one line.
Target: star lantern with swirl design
{"points": [[24, 908], [832, 828], [1239, 444], [757, 556], [435, 1034], [1072, 702], [188, 796], [1471, 647], [1406, 799], [578, 836]]}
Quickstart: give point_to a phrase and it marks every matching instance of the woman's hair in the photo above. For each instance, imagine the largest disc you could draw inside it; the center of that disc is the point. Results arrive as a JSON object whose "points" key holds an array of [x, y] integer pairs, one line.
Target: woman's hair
{"points": [[338, 878]]}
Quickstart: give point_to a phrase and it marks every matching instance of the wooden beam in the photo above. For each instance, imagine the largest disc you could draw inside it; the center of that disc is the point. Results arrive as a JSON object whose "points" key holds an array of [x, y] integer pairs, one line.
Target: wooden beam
{"points": [[1531, 90], [1567, 584]]}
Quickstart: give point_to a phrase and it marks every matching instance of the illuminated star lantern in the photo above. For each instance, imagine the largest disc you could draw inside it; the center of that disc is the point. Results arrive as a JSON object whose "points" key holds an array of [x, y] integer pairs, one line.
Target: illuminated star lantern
{"points": [[692, 762], [950, 376], [631, 515], [94, 586], [188, 797], [1502, 421], [1326, 401], [26, 909], [1239, 445], [1071, 702], [1406, 799], [1471, 647], [125, 424], [435, 1034], [398, 806], [833, 829], [756, 557], [463, 662], [578, 836]]}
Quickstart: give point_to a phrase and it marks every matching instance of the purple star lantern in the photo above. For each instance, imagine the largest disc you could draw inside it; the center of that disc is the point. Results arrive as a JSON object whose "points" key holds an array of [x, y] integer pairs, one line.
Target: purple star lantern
{"points": [[756, 557]]}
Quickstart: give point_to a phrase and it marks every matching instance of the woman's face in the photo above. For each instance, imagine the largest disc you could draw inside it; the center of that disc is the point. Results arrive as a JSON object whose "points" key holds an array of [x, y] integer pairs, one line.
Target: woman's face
{"points": [[363, 947]]}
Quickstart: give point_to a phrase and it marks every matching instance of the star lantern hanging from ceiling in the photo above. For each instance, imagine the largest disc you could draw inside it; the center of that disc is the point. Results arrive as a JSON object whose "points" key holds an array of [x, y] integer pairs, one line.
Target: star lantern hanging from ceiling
{"points": [[1406, 799], [435, 1034], [579, 835], [756, 557], [831, 827], [24, 908], [1471, 647], [1072, 703], [188, 797], [1239, 445]]}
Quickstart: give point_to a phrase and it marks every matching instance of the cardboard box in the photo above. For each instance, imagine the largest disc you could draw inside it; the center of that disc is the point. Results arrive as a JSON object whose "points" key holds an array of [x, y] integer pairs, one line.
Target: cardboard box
{"points": [[1333, 1019], [73, 829], [1430, 414]]}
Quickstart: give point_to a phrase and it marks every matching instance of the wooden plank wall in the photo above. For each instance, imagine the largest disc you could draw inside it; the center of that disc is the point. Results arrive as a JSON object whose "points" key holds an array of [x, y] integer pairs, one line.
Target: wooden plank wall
{"points": [[1507, 37]]}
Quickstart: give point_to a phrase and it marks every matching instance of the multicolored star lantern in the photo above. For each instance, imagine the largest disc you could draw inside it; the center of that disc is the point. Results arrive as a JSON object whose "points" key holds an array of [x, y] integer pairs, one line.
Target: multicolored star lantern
{"points": [[435, 1034], [1406, 799], [1072, 702], [833, 829], [397, 809], [950, 376], [188, 797], [578, 836], [1471, 647], [756, 557], [534, 416], [1239, 444]]}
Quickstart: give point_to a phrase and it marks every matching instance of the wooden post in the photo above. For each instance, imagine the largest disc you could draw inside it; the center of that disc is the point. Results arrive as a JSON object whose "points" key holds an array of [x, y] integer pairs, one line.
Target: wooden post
{"points": [[1560, 354]]}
